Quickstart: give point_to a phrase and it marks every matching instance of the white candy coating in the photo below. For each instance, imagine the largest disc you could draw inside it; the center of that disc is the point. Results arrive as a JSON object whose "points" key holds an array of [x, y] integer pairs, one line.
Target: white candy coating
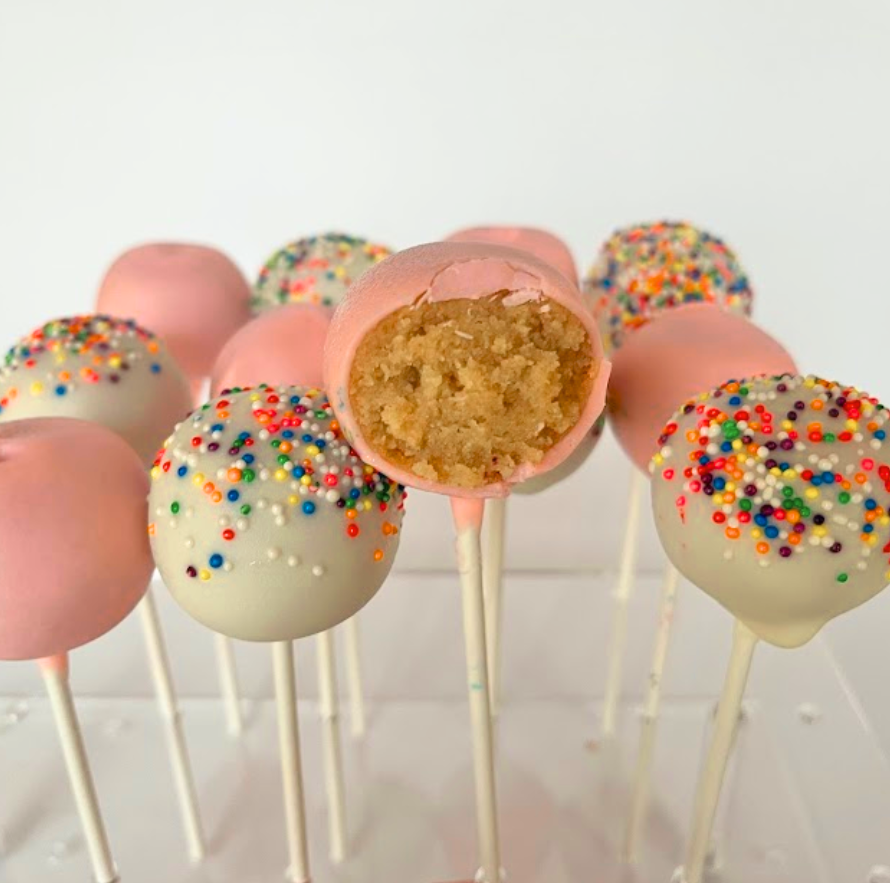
{"points": [[773, 496], [265, 524]]}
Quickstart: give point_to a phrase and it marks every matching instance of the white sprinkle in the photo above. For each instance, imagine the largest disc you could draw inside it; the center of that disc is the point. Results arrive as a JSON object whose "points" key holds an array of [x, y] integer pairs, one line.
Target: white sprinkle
{"points": [[293, 560], [273, 553], [318, 570]]}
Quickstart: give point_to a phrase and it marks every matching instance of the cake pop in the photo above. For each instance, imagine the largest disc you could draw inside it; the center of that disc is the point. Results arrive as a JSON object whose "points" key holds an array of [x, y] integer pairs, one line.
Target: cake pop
{"points": [[646, 270], [281, 347], [315, 270], [192, 296], [195, 299], [549, 248], [78, 490], [542, 244], [771, 494], [97, 368], [464, 369], [114, 373], [266, 526]]}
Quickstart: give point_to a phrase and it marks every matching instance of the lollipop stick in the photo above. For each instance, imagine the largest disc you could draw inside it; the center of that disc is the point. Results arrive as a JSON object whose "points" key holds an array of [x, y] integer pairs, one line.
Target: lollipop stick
{"points": [[468, 523], [159, 666], [55, 676], [228, 681], [354, 677], [622, 598], [492, 583], [291, 767], [333, 760], [711, 780], [640, 800]]}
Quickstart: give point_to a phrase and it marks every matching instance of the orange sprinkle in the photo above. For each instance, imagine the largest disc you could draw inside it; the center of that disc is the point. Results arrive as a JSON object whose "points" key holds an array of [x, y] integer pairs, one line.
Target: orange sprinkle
{"points": [[733, 533], [378, 554], [794, 539], [216, 496], [817, 404], [792, 516], [209, 488], [234, 475], [762, 548], [351, 513]]}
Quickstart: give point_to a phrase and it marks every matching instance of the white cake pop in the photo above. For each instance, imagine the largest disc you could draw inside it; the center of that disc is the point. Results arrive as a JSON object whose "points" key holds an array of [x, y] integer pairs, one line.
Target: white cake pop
{"points": [[97, 368], [772, 495], [266, 525]]}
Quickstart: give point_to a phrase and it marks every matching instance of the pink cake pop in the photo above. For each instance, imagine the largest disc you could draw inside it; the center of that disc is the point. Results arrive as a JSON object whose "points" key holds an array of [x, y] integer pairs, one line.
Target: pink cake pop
{"points": [[74, 561], [192, 296], [466, 368], [280, 346], [666, 362], [540, 243]]}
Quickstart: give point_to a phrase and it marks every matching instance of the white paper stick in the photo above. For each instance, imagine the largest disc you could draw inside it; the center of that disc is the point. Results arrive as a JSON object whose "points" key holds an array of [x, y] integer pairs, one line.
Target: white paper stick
{"points": [[228, 682], [468, 525], [159, 666], [618, 643], [493, 588], [333, 760], [55, 678], [711, 779], [291, 766], [651, 712], [354, 679]]}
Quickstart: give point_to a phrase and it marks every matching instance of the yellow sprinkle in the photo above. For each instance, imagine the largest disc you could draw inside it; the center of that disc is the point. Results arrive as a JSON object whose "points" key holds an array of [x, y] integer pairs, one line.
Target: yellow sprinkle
{"points": [[658, 459], [737, 444], [811, 493], [205, 575], [198, 479], [155, 471], [293, 499], [852, 425], [306, 480], [820, 531], [280, 475], [756, 533], [787, 424], [36, 388], [312, 450]]}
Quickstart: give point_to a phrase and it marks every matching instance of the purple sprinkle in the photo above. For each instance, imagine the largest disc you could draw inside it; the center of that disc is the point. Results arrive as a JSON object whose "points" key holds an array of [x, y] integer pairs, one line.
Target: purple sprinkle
{"points": [[771, 445], [785, 551], [213, 446], [750, 490], [786, 444], [836, 548]]}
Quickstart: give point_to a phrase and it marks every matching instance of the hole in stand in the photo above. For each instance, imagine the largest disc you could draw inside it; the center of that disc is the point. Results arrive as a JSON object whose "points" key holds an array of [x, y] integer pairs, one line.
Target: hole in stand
{"points": [[809, 713]]}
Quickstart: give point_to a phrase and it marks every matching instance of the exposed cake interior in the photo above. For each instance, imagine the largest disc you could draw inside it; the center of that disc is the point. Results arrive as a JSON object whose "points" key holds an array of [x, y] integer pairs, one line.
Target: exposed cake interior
{"points": [[462, 392]]}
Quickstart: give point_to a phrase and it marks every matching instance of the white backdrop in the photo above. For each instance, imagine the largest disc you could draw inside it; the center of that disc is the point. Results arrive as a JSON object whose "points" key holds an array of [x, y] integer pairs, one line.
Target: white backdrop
{"points": [[246, 124]]}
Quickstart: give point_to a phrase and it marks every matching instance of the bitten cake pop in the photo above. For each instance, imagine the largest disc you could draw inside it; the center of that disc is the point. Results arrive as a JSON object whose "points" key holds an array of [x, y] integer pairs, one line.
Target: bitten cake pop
{"points": [[266, 526], [648, 269], [114, 373], [98, 368], [463, 369], [74, 561], [315, 270], [192, 296], [772, 494]]}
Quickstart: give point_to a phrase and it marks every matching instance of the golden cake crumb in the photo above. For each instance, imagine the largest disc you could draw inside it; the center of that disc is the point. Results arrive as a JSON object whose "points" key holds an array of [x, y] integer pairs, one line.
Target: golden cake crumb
{"points": [[463, 392]]}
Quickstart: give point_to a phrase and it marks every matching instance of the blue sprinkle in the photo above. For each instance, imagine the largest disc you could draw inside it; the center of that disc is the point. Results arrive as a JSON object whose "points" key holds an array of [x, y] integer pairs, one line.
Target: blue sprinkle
{"points": [[868, 528], [704, 459], [233, 496], [287, 433], [735, 400], [244, 436], [61, 390], [816, 480], [216, 561], [761, 520], [295, 400], [248, 458], [871, 504], [307, 438], [772, 532], [726, 447], [719, 484], [880, 434], [828, 477], [217, 427], [182, 471], [355, 493], [308, 507], [299, 471], [321, 444], [156, 368]]}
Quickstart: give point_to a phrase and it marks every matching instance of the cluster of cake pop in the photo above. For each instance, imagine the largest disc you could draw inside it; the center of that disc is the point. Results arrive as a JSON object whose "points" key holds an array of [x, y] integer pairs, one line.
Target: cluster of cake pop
{"points": [[470, 368]]}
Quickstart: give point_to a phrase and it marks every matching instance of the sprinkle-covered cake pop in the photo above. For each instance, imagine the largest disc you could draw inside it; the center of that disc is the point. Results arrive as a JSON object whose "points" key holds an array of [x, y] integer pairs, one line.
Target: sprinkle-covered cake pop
{"points": [[192, 296], [97, 368], [772, 494], [315, 270], [74, 559], [265, 524], [644, 270]]}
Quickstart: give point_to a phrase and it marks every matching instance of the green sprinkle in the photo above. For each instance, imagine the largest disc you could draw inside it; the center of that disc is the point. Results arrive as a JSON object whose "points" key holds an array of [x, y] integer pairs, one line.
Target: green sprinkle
{"points": [[842, 577], [174, 508], [245, 509], [248, 475], [745, 505], [843, 497]]}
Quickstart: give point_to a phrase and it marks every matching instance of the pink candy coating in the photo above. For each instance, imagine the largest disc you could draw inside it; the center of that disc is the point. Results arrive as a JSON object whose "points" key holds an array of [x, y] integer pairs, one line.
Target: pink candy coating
{"points": [[284, 346], [450, 271], [192, 296], [74, 551], [686, 351], [538, 242]]}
